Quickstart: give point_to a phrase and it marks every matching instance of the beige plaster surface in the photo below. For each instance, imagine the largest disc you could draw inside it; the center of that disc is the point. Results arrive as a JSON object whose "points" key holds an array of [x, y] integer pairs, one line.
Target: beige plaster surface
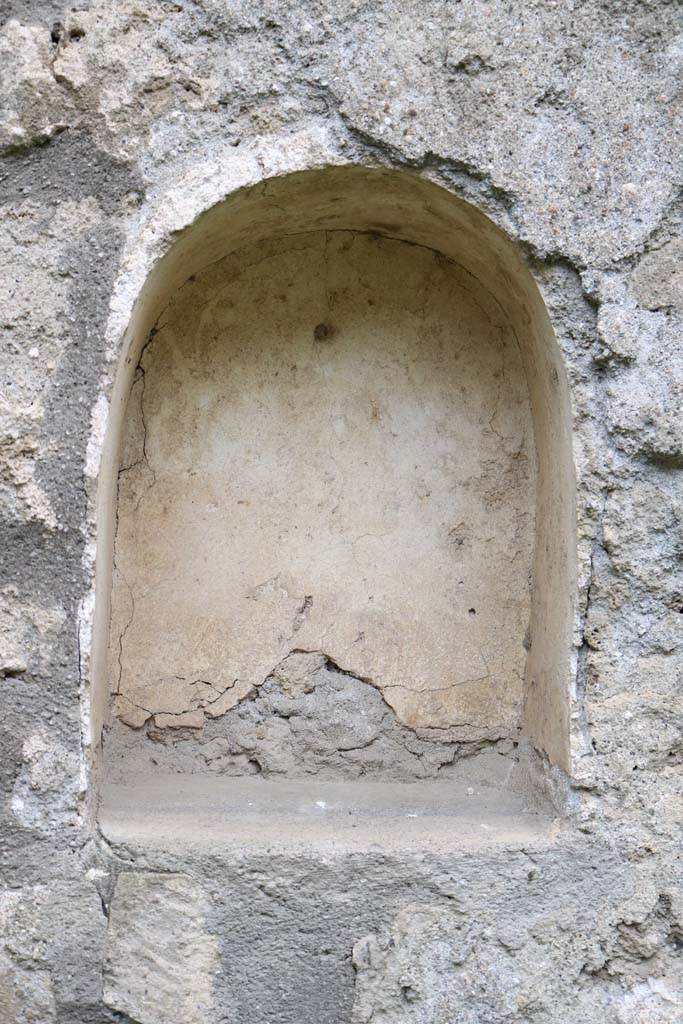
{"points": [[328, 447], [209, 217]]}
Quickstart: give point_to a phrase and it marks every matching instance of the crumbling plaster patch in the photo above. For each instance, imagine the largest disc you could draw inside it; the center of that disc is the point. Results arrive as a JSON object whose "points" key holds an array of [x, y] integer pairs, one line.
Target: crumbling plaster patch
{"points": [[307, 719]]}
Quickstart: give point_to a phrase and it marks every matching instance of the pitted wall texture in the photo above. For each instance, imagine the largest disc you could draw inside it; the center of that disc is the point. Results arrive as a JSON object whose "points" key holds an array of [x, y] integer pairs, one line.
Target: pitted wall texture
{"points": [[562, 123]]}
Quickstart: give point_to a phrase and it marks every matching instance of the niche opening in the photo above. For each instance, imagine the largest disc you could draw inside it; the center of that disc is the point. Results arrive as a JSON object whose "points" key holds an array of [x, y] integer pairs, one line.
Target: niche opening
{"points": [[344, 530]]}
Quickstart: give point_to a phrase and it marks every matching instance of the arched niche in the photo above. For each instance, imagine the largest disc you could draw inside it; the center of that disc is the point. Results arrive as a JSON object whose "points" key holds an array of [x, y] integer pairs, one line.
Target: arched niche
{"points": [[360, 356]]}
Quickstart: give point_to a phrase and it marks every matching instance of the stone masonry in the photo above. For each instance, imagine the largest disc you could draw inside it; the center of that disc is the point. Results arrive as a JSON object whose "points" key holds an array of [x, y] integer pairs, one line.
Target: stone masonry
{"points": [[121, 124]]}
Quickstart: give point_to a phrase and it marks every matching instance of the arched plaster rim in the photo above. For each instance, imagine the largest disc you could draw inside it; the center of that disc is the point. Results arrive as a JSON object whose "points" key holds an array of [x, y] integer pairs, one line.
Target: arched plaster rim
{"points": [[152, 237]]}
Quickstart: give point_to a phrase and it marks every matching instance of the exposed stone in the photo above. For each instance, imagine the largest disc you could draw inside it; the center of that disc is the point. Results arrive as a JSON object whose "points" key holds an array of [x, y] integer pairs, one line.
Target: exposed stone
{"points": [[47, 789], [51, 946], [657, 281], [438, 964], [646, 395], [32, 99], [159, 957], [26, 996]]}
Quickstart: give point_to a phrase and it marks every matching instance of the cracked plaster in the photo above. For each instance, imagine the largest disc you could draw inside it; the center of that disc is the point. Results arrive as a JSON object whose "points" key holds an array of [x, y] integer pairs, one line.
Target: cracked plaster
{"points": [[368, 492], [562, 123]]}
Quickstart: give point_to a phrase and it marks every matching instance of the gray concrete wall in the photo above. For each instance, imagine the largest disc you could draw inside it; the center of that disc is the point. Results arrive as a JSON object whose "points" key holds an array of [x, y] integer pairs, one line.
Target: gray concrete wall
{"points": [[121, 125]]}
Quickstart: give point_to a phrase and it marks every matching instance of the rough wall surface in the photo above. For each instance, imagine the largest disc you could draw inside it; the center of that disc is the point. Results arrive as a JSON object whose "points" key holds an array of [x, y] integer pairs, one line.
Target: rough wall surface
{"points": [[562, 123]]}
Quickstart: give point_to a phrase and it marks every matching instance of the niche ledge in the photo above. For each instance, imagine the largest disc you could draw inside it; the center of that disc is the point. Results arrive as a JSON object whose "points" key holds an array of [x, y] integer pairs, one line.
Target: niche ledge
{"points": [[209, 814]]}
